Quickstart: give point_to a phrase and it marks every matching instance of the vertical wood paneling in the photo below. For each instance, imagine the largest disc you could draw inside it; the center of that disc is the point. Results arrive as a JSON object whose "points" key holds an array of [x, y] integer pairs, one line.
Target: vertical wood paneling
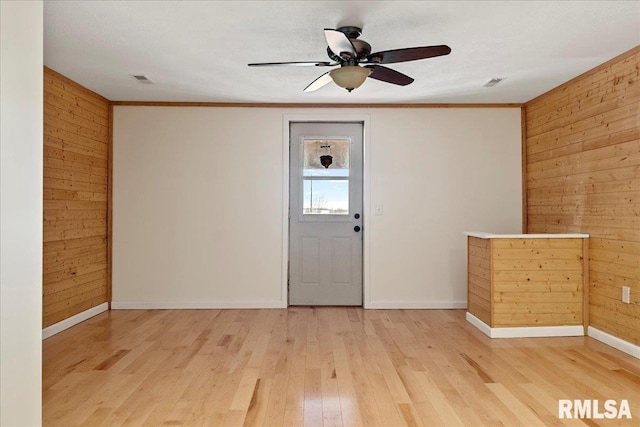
{"points": [[583, 175], [76, 176]]}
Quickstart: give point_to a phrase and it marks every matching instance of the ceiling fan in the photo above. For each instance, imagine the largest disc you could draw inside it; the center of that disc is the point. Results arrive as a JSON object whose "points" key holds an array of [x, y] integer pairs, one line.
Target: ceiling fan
{"points": [[347, 51]]}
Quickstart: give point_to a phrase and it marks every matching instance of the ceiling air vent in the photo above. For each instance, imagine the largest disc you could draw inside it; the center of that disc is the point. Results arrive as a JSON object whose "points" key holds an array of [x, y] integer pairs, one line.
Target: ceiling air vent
{"points": [[141, 78], [493, 81]]}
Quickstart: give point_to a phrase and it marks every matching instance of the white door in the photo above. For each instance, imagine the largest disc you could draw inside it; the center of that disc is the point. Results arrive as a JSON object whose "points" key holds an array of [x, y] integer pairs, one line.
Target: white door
{"points": [[325, 214]]}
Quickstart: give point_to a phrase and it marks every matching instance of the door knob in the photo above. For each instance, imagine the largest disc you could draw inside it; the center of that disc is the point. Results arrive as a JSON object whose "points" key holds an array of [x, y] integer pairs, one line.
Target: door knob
{"points": [[356, 228]]}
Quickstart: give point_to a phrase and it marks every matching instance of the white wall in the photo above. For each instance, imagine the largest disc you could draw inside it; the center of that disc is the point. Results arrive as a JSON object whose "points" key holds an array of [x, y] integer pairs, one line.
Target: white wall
{"points": [[200, 197], [197, 206], [21, 65], [438, 173]]}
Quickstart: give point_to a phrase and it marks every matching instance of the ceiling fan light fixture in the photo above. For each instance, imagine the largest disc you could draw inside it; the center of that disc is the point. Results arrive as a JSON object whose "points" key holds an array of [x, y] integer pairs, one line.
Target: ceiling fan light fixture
{"points": [[350, 77]]}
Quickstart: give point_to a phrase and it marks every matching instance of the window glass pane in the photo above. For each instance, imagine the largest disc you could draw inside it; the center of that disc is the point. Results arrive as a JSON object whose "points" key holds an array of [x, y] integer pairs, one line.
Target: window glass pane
{"points": [[326, 197], [325, 157]]}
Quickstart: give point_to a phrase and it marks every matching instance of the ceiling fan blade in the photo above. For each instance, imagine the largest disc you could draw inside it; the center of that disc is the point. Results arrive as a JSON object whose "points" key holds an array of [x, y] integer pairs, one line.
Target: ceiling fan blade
{"points": [[339, 43], [295, 64], [319, 82], [408, 54], [388, 75]]}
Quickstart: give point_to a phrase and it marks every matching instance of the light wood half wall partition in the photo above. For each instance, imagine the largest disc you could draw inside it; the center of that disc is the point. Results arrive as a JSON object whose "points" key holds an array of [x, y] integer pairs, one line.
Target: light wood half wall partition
{"points": [[76, 169], [583, 175], [526, 282]]}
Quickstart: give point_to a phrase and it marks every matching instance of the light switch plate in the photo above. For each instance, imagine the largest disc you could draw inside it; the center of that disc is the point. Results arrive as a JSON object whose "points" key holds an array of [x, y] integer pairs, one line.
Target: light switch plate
{"points": [[626, 294]]}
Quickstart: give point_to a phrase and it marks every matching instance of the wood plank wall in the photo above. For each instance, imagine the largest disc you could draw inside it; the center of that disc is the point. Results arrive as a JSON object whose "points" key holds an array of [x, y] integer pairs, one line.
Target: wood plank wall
{"points": [[537, 282], [526, 282], [583, 175], [76, 167], [479, 279]]}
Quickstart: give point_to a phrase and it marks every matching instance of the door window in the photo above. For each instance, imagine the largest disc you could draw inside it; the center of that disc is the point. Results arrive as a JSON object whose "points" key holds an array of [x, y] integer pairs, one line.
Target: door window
{"points": [[325, 176]]}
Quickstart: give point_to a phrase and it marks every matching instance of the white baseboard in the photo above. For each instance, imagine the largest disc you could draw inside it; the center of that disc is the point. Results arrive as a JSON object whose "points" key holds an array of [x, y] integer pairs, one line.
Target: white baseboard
{"points": [[615, 342], [208, 305], [416, 305], [73, 320], [194, 305], [526, 331], [486, 329]]}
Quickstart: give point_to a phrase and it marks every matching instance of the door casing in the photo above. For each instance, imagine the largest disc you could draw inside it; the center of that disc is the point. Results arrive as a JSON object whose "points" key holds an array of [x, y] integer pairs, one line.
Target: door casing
{"points": [[366, 196]]}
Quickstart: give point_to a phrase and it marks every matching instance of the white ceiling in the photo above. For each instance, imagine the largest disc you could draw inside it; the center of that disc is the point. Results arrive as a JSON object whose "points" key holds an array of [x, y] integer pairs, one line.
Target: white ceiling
{"points": [[199, 50]]}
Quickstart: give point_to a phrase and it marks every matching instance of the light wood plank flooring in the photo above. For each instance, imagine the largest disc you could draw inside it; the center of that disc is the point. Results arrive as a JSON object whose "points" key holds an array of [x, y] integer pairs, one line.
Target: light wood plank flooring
{"points": [[320, 366]]}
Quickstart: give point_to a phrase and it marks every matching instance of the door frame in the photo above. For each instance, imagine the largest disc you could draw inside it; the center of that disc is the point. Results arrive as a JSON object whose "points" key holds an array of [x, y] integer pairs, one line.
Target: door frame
{"points": [[366, 194]]}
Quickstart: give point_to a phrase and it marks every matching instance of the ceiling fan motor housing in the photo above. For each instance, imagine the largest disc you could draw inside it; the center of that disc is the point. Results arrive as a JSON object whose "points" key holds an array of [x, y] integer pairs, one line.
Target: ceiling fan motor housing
{"points": [[350, 31], [362, 48]]}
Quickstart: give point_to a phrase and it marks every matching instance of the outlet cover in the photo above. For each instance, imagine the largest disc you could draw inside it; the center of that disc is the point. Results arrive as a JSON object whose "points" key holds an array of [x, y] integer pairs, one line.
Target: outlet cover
{"points": [[626, 294]]}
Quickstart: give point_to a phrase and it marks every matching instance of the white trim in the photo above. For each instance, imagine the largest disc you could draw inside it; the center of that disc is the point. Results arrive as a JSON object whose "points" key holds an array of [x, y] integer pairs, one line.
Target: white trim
{"points": [[366, 193], [417, 305], [73, 320], [193, 305], [486, 329], [526, 331], [483, 235], [284, 289], [615, 342], [367, 211]]}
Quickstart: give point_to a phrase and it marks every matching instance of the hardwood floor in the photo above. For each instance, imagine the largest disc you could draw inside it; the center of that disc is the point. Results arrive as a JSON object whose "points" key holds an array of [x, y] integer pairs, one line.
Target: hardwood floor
{"points": [[321, 366]]}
